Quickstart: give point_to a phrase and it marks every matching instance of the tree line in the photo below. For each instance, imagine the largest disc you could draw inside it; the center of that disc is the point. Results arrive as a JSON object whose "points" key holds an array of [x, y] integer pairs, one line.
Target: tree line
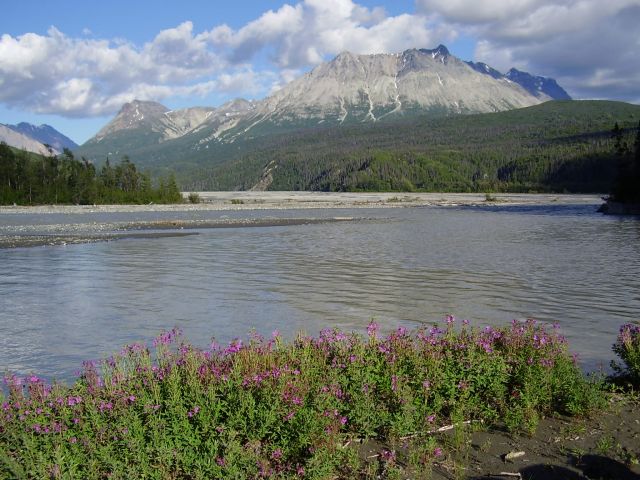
{"points": [[627, 185], [31, 179]]}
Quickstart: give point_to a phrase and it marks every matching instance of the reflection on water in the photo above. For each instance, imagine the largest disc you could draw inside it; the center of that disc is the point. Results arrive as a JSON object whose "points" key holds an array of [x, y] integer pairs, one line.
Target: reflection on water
{"points": [[62, 305]]}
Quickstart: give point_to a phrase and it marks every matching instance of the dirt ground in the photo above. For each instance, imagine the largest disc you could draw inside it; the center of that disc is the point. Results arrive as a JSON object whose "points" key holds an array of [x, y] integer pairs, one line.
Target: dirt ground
{"points": [[604, 447]]}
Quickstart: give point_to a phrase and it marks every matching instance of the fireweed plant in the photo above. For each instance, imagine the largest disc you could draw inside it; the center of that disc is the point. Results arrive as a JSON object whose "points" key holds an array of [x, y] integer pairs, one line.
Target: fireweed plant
{"points": [[627, 347], [266, 408]]}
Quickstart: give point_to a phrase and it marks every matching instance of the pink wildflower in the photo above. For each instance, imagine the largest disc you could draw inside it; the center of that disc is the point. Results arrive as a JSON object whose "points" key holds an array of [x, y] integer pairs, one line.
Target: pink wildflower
{"points": [[372, 329]]}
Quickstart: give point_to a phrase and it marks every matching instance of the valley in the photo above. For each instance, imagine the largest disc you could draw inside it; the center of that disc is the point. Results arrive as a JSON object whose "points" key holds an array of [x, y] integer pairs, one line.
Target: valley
{"points": [[417, 121], [317, 239]]}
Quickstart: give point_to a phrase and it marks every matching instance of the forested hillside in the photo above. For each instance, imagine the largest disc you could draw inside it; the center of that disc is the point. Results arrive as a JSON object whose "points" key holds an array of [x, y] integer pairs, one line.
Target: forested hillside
{"points": [[28, 179], [556, 146]]}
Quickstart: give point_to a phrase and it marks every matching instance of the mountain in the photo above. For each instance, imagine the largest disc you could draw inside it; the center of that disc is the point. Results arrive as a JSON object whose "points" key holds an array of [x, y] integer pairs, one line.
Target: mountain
{"points": [[368, 88], [538, 86], [169, 124], [45, 134], [142, 126], [348, 90], [22, 142], [144, 116], [485, 69]]}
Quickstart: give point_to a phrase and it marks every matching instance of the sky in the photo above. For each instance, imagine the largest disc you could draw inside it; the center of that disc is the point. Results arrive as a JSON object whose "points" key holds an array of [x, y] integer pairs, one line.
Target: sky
{"points": [[73, 64]]}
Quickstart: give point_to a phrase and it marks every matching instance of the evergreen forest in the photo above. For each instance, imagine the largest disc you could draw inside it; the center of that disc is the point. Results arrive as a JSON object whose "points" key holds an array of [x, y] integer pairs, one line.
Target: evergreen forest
{"points": [[31, 179], [627, 184]]}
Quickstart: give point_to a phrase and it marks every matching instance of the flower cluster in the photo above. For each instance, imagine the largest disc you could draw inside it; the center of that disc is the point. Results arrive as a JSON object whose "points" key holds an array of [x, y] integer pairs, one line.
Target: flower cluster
{"points": [[627, 347]]}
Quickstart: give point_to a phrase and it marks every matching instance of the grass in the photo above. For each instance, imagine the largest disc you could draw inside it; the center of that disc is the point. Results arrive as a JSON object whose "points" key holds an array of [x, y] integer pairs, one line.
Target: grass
{"points": [[488, 197], [267, 408], [604, 444]]}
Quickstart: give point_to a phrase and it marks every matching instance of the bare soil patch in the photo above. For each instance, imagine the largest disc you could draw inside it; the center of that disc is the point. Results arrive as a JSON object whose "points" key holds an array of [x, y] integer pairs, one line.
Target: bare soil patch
{"points": [[604, 447]]}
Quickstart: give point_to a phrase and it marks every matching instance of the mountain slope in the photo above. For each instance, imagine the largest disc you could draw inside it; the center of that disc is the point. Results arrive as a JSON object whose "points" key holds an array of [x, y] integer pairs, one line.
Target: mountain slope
{"points": [[538, 86], [45, 134], [555, 146], [485, 69], [21, 141]]}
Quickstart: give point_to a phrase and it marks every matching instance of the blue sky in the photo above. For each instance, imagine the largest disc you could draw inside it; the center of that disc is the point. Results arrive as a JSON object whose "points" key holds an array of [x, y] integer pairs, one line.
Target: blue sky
{"points": [[72, 64]]}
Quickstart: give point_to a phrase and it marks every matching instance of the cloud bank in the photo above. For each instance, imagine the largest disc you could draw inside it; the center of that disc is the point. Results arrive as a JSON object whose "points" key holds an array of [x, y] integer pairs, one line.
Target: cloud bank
{"points": [[80, 77], [85, 77], [589, 46]]}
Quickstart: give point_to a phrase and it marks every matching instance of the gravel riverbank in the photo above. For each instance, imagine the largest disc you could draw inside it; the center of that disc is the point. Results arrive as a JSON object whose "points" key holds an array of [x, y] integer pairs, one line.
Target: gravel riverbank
{"points": [[310, 200], [74, 233], [62, 232]]}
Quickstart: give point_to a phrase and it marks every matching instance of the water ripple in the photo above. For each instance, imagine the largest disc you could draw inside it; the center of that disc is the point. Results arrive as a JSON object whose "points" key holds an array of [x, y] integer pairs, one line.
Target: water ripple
{"points": [[62, 305]]}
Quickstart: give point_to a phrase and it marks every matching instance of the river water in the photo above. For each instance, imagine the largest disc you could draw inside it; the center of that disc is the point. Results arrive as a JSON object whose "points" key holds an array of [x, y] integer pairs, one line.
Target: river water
{"points": [[60, 305]]}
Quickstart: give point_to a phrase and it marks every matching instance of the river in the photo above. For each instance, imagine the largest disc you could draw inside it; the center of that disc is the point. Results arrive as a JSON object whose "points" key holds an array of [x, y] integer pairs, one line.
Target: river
{"points": [[60, 305]]}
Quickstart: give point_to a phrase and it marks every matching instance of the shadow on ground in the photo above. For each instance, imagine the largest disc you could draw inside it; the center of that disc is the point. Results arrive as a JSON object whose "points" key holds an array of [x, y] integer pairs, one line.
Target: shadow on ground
{"points": [[588, 467]]}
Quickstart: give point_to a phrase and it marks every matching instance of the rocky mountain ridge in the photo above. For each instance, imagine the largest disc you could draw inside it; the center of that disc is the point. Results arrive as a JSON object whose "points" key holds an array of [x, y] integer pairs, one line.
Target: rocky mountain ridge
{"points": [[45, 134], [372, 87], [22, 142], [538, 86]]}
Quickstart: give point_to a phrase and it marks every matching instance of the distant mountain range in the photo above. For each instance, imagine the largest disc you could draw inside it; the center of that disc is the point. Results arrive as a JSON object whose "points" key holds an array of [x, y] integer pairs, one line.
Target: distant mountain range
{"points": [[42, 139], [348, 90], [540, 87]]}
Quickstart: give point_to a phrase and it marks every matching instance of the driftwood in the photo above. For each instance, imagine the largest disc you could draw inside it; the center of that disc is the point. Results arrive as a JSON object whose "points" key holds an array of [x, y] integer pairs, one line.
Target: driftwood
{"points": [[437, 430]]}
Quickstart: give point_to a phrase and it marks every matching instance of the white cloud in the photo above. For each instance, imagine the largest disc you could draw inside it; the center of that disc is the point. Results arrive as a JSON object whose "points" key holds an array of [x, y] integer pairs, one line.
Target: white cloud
{"points": [[367, 16], [589, 46], [245, 80], [304, 34], [72, 94], [286, 75], [84, 76], [478, 11]]}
